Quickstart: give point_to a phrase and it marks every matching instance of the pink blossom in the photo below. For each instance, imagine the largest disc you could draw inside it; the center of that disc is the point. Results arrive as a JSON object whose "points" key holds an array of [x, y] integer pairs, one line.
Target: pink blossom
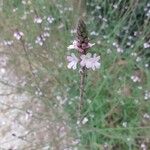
{"points": [[80, 47], [90, 62], [73, 46], [94, 64], [73, 60], [85, 59]]}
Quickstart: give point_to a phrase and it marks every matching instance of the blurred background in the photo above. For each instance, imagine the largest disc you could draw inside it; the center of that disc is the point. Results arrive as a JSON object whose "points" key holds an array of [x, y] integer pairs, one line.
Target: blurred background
{"points": [[39, 95]]}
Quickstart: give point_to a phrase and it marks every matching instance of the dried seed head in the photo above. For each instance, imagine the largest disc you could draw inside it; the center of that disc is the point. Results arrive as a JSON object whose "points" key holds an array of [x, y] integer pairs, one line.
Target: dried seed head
{"points": [[82, 34]]}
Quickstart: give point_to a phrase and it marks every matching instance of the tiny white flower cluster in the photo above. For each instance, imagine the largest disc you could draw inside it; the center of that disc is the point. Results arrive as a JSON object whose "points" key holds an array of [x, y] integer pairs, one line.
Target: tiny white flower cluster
{"points": [[115, 6], [135, 78], [124, 124], [138, 59], [119, 49], [143, 146], [146, 116], [134, 54], [40, 39], [38, 92], [94, 33], [147, 10], [38, 20], [73, 31], [18, 35], [147, 95], [85, 60], [25, 2], [146, 45], [85, 120], [146, 65], [50, 19], [7, 42]]}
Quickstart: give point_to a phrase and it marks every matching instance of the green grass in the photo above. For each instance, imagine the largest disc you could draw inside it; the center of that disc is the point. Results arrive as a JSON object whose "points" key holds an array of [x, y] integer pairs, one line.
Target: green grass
{"points": [[111, 97]]}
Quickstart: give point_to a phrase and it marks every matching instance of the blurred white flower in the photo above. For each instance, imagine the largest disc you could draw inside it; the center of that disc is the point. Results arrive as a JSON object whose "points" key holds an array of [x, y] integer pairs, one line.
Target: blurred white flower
{"points": [[7, 43], [73, 31], [134, 54], [146, 116], [98, 7], [46, 28], [94, 33], [50, 19], [135, 78], [146, 65], [108, 51], [26, 2], [146, 45], [143, 146], [119, 50], [46, 34], [38, 20], [73, 60], [147, 95], [138, 59], [40, 40], [85, 120], [115, 44], [124, 124], [2, 70], [115, 6], [18, 35]]}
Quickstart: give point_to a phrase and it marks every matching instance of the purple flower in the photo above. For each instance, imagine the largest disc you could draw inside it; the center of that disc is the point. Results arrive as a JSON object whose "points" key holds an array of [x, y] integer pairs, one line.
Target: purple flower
{"points": [[73, 46], [73, 60]]}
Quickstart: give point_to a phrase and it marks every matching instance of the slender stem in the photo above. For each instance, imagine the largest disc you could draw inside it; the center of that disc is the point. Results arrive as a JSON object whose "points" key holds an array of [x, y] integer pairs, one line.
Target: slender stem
{"points": [[27, 56], [30, 65], [82, 83]]}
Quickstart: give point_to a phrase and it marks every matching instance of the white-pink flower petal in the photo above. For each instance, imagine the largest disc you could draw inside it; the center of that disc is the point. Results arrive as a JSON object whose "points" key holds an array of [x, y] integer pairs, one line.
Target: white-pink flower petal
{"points": [[94, 62], [90, 62], [73, 46], [85, 59], [90, 44], [73, 60]]}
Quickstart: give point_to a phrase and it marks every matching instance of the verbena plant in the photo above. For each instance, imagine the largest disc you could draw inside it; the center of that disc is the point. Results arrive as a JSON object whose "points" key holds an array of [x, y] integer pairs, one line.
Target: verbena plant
{"points": [[115, 114]]}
